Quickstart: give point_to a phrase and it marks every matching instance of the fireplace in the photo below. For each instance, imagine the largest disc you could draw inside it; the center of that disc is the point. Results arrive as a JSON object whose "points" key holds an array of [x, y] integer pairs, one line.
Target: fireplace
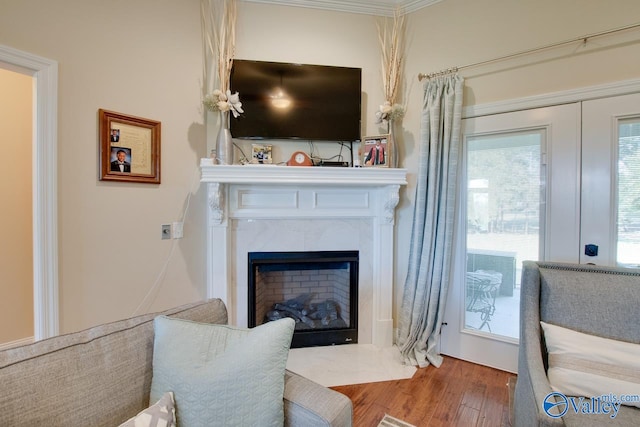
{"points": [[318, 289], [254, 208]]}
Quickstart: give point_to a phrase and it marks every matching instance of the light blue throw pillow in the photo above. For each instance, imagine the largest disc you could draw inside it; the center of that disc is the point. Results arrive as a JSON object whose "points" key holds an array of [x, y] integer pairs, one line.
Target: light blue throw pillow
{"points": [[221, 375]]}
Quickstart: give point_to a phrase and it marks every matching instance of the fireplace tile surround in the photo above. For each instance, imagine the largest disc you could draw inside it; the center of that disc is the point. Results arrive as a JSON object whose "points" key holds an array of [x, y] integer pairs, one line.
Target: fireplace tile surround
{"points": [[264, 208]]}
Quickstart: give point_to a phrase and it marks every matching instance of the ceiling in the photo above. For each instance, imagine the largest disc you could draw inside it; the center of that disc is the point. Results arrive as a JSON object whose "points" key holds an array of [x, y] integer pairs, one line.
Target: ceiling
{"points": [[368, 7]]}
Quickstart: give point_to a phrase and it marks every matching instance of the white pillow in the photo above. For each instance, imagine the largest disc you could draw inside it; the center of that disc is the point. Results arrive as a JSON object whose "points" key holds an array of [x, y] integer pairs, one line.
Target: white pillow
{"points": [[221, 375], [590, 366], [161, 414]]}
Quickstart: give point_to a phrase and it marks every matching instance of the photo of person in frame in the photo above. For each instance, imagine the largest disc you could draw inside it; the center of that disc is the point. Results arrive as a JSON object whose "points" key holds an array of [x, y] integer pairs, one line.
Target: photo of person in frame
{"points": [[120, 159], [376, 152], [115, 135]]}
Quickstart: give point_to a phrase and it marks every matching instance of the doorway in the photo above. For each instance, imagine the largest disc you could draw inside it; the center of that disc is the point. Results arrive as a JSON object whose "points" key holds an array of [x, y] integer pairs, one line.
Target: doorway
{"points": [[516, 167], [16, 248], [44, 73]]}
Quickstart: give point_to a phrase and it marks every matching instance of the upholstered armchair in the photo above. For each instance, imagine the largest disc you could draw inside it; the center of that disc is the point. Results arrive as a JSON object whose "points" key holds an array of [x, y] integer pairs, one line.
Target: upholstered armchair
{"points": [[602, 303]]}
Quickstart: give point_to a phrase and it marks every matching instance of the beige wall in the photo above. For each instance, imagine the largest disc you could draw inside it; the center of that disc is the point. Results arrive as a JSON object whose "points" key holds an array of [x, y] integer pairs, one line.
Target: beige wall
{"points": [[144, 58], [459, 32], [141, 58], [16, 249]]}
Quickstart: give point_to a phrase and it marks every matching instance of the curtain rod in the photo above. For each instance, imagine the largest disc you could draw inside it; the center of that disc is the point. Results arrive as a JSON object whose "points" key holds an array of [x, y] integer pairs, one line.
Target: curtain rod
{"points": [[526, 52]]}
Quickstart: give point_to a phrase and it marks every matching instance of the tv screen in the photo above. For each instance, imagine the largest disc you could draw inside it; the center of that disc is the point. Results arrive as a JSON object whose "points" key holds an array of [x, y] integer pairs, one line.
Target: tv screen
{"points": [[295, 101]]}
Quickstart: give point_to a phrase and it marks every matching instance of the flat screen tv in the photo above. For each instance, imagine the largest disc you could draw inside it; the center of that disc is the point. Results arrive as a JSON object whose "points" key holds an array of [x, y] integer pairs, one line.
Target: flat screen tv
{"points": [[296, 101]]}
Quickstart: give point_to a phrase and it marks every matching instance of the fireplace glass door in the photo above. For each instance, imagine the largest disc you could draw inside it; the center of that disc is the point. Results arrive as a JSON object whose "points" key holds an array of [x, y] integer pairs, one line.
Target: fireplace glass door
{"points": [[316, 289]]}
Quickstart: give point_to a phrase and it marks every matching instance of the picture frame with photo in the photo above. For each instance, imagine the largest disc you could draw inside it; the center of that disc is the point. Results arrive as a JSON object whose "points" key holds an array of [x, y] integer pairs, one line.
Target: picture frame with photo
{"points": [[261, 154], [129, 148], [376, 151]]}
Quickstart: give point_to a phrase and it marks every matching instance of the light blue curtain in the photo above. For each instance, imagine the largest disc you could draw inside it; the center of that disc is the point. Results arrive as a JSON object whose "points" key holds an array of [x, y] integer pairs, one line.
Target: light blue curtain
{"points": [[427, 282]]}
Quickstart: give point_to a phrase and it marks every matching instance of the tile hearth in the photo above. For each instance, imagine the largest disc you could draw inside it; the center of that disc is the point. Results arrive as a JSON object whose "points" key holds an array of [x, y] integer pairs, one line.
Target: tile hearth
{"points": [[338, 365]]}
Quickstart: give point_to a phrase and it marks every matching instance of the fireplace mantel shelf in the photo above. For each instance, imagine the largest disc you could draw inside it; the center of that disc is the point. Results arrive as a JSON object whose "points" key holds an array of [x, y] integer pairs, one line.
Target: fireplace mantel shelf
{"points": [[300, 175]]}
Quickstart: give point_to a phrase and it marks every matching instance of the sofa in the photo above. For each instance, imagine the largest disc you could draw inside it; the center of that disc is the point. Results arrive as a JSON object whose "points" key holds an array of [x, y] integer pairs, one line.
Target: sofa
{"points": [[102, 377], [596, 305]]}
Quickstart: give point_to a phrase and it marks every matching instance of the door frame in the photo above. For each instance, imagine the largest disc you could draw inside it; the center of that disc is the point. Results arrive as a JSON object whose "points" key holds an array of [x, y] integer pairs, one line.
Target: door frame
{"points": [[605, 90], [559, 123], [44, 168]]}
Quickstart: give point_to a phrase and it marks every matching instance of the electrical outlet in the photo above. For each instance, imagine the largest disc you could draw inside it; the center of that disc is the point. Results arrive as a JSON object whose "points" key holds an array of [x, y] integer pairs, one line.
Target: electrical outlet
{"points": [[166, 231], [178, 230]]}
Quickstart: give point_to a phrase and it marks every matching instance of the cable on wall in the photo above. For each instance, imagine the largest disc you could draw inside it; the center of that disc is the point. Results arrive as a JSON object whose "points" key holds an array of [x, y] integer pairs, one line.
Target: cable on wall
{"points": [[147, 300]]}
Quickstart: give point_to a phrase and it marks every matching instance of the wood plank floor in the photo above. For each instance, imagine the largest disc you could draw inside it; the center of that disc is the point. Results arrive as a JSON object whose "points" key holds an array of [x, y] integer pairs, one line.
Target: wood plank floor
{"points": [[458, 393]]}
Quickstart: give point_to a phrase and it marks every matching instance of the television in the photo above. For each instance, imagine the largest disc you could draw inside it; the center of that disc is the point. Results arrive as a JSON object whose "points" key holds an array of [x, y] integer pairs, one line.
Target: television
{"points": [[296, 101]]}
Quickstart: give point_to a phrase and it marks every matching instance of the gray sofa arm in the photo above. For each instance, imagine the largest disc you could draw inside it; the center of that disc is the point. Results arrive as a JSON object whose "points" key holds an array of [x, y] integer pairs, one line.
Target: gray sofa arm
{"points": [[308, 404], [532, 385]]}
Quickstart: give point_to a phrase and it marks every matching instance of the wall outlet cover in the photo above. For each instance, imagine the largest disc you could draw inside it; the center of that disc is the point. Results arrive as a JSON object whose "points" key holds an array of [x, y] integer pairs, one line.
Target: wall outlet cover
{"points": [[166, 231]]}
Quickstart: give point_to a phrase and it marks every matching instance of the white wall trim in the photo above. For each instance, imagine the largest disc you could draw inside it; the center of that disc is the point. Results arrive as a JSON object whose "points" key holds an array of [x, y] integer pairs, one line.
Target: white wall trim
{"points": [[554, 98], [45, 219], [16, 343]]}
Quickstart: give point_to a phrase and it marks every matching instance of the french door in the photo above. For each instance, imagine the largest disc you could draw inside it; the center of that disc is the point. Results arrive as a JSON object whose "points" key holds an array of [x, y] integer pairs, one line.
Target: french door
{"points": [[558, 183], [611, 181]]}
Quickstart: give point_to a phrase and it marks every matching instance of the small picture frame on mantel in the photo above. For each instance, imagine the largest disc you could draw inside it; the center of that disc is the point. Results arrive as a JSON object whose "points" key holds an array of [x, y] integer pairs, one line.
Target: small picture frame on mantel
{"points": [[261, 154], [376, 151]]}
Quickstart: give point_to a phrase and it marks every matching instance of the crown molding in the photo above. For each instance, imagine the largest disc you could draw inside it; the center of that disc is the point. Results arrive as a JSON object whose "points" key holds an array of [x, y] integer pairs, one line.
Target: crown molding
{"points": [[367, 7]]}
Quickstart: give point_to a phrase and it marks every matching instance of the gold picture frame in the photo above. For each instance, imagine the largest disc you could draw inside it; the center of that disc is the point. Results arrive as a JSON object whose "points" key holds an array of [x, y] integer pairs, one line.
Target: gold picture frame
{"points": [[376, 151], [129, 148]]}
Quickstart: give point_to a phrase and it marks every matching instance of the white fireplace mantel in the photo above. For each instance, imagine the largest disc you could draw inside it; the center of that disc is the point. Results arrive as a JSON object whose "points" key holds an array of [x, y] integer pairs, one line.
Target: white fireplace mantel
{"points": [[278, 208], [300, 175]]}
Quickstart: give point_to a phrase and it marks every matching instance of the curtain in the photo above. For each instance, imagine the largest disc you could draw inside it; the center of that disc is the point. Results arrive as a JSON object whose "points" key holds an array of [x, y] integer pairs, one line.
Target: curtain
{"points": [[427, 281]]}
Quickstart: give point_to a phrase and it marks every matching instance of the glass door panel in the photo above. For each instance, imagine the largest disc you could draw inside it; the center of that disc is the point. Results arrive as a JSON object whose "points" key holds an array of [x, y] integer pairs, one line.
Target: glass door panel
{"points": [[628, 193], [505, 225]]}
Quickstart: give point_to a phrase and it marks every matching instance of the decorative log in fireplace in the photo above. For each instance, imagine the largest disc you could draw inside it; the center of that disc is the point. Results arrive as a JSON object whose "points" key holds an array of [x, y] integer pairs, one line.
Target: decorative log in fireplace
{"points": [[307, 314], [317, 289]]}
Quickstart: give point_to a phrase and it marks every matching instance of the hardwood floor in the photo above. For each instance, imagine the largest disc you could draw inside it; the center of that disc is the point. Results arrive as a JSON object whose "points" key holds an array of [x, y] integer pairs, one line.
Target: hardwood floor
{"points": [[458, 393]]}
